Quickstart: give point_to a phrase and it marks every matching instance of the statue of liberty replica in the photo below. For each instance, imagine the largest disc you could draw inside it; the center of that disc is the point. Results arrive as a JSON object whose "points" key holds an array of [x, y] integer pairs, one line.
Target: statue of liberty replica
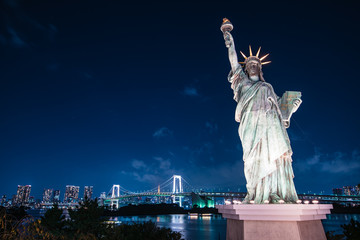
{"points": [[263, 118]]}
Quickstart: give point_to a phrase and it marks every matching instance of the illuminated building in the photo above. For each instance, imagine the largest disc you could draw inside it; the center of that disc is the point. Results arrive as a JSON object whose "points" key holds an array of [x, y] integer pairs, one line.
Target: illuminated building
{"points": [[337, 191], [102, 198], [48, 195], [88, 191], [56, 198], [103, 195], [23, 194], [71, 194], [349, 190]]}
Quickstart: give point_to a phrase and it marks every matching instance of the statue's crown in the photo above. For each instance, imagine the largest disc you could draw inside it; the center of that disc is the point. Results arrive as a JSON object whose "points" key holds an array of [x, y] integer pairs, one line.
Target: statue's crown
{"points": [[254, 58]]}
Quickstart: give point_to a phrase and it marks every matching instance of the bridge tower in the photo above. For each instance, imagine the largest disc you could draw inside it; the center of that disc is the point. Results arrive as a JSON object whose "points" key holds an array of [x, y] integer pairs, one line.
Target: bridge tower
{"points": [[115, 193], [177, 188]]}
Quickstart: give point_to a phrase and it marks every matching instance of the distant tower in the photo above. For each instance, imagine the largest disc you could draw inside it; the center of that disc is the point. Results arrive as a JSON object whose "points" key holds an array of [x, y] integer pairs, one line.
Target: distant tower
{"points": [[115, 191], [177, 188], [177, 185], [88, 191], [23, 194], [48, 195], [71, 194]]}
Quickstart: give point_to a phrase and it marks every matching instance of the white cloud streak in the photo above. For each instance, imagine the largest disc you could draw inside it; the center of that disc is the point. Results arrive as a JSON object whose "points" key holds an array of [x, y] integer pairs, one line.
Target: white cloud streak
{"points": [[162, 132], [337, 162]]}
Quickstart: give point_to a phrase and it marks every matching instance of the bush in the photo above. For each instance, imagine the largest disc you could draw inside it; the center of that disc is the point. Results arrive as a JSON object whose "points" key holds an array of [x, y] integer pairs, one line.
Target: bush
{"points": [[86, 223], [352, 230]]}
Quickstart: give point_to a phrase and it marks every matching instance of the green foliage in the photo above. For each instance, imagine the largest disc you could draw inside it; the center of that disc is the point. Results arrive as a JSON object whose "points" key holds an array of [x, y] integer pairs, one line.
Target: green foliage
{"points": [[352, 230], [53, 220], [86, 223], [87, 219]]}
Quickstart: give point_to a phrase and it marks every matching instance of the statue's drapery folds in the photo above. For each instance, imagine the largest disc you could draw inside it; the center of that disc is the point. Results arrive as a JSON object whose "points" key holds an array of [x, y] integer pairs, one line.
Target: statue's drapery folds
{"points": [[266, 145]]}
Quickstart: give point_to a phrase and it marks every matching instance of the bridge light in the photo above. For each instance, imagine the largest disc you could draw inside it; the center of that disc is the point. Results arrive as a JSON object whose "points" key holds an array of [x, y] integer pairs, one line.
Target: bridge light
{"points": [[281, 201], [315, 201], [227, 202], [299, 201], [306, 201], [252, 201], [266, 201]]}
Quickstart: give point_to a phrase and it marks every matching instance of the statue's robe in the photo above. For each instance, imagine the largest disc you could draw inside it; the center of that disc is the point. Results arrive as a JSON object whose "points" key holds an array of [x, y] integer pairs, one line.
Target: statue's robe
{"points": [[265, 142]]}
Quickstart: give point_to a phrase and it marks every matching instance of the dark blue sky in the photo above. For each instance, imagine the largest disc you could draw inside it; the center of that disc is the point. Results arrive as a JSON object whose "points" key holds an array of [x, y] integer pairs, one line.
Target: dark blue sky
{"points": [[103, 92]]}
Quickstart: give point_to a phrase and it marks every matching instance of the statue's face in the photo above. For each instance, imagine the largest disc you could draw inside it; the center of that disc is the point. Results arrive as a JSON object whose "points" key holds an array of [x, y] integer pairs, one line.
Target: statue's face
{"points": [[253, 68]]}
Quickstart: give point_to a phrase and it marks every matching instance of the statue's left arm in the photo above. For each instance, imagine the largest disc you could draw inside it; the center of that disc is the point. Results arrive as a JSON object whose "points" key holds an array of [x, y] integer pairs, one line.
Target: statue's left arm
{"points": [[288, 104]]}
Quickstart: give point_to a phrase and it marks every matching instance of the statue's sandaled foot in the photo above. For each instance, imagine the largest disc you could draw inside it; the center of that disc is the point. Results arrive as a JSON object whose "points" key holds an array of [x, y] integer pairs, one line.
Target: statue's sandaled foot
{"points": [[275, 198], [247, 199]]}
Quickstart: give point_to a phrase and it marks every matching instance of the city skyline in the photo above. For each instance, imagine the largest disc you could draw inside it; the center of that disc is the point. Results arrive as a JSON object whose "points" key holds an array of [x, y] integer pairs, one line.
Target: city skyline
{"points": [[96, 94], [51, 195]]}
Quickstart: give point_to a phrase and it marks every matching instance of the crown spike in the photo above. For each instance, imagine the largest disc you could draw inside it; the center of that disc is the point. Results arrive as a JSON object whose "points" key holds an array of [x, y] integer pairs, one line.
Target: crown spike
{"points": [[265, 62], [243, 54], [250, 50], [257, 54], [264, 57]]}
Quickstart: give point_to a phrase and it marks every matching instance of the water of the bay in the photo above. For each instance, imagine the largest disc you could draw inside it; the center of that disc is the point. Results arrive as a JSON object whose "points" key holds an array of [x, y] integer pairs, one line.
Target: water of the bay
{"points": [[213, 227]]}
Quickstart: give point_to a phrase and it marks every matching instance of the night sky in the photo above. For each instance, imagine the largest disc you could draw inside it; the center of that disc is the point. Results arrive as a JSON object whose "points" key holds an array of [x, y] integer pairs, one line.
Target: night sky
{"points": [[107, 92]]}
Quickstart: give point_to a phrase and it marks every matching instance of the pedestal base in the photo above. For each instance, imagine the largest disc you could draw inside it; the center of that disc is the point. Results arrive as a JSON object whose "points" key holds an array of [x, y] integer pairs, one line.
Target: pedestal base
{"points": [[275, 221]]}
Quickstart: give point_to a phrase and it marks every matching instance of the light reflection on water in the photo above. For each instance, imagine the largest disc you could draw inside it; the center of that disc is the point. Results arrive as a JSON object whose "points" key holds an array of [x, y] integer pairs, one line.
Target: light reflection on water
{"points": [[334, 221], [213, 227]]}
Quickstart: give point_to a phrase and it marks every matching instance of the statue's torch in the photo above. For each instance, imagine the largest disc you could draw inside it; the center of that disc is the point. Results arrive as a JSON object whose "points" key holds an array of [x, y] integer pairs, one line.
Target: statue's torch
{"points": [[226, 26]]}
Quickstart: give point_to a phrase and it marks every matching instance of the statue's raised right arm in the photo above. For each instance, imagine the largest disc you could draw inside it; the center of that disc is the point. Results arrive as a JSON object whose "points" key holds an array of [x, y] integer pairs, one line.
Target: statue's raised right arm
{"points": [[229, 42]]}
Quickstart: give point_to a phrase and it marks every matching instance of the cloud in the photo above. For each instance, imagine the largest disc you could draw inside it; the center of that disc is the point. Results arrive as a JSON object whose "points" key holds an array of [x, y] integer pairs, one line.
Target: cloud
{"points": [[229, 174], [15, 40], [162, 132], [21, 29], [152, 173], [190, 91], [333, 163], [212, 127], [147, 178], [164, 164], [137, 164]]}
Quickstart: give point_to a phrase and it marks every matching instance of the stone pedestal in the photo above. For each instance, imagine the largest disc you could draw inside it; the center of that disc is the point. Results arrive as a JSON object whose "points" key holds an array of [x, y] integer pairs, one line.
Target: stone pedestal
{"points": [[275, 221]]}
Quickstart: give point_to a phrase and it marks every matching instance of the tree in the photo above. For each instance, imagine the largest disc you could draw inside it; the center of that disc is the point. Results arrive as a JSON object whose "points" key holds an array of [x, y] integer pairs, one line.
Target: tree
{"points": [[352, 230], [87, 219], [53, 220]]}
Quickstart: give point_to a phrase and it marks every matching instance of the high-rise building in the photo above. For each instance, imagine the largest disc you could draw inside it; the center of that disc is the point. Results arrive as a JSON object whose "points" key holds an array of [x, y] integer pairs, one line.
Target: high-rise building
{"points": [[337, 191], [48, 195], [349, 190], [101, 199], [23, 194], [88, 191], [56, 198], [71, 194], [103, 195]]}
